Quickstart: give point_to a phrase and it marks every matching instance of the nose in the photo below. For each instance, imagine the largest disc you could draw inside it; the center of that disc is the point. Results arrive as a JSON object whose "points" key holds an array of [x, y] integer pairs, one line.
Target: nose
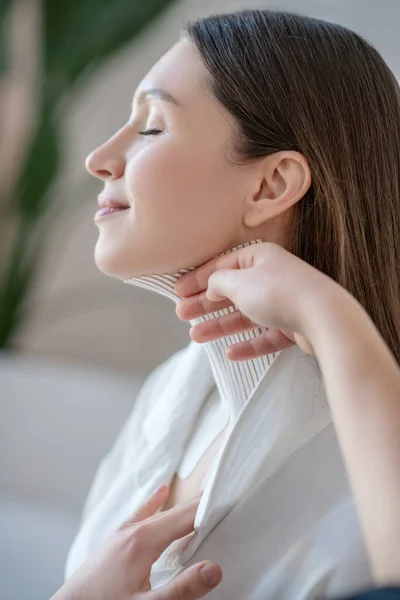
{"points": [[106, 162]]}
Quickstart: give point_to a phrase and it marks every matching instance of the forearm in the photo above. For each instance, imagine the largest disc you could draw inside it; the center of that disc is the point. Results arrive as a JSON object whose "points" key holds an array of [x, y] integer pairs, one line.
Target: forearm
{"points": [[362, 382]]}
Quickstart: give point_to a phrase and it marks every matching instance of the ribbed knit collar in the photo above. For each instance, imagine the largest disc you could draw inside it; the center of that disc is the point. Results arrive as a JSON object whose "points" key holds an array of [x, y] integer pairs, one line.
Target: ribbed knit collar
{"points": [[235, 380]]}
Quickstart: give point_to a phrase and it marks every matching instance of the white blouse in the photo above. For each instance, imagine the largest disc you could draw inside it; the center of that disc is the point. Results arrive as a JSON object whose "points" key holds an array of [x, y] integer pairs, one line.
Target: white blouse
{"points": [[277, 513]]}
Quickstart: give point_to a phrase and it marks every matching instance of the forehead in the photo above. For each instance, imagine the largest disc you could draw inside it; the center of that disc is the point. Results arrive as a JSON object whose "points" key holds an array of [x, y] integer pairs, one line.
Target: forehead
{"points": [[180, 71]]}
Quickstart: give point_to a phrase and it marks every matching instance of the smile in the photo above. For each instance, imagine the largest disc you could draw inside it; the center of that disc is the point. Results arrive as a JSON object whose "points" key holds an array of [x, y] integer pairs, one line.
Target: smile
{"points": [[107, 211], [109, 206]]}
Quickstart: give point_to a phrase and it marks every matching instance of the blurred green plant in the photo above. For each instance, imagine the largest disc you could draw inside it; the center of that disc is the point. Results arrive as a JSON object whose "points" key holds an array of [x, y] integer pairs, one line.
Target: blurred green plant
{"points": [[75, 38]]}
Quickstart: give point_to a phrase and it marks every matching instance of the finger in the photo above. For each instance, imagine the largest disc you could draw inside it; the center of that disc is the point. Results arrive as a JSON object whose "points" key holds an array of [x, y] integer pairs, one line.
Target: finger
{"points": [[156, 501], [196, 281], [160, 531], [270, 341], [199, 305], [225, 284], [195, 582], [234, 322]]}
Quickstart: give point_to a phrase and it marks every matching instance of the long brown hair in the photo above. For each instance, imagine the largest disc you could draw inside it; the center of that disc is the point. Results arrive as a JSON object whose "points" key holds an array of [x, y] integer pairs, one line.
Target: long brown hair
{"points": [[297, 83]]}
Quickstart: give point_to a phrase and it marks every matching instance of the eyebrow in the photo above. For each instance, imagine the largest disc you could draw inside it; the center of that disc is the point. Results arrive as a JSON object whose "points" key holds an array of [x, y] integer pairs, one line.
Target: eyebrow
{"points": [[158, 93]]}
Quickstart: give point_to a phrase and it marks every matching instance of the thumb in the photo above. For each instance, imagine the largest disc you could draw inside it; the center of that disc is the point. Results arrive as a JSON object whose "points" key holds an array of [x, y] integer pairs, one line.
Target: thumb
{"points": [[223, 284], [195, 582]]}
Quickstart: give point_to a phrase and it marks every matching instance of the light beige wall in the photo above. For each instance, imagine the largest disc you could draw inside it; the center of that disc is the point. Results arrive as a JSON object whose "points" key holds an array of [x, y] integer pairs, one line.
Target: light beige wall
{"points": [[77, 313]]}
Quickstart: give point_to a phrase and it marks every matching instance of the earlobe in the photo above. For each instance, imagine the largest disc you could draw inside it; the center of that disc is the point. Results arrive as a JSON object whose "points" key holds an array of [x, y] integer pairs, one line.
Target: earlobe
{"points": [[283, 178]]}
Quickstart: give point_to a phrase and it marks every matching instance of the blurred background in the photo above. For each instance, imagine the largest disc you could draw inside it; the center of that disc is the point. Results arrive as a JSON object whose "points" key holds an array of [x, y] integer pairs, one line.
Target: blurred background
{"points": [[74, 344]]}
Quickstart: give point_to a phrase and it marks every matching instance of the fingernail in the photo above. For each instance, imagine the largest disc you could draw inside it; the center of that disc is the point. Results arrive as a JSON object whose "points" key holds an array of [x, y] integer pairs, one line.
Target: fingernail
{"points": [[160, 489], [210, 574]]}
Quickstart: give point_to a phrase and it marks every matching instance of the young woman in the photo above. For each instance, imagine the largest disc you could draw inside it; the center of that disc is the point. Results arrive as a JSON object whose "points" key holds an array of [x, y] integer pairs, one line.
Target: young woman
{"points": [[256, 126]]}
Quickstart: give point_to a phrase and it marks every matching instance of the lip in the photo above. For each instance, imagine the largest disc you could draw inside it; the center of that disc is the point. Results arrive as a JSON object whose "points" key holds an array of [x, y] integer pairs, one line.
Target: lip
{"points": [[108, 202], [109, 206]]}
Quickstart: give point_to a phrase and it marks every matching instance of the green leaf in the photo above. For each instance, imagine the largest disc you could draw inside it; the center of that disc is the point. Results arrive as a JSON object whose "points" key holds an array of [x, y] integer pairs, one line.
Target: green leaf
{"points": [[57, 16], [4, 13], [40, 168], [92, 31], [16, 282]]}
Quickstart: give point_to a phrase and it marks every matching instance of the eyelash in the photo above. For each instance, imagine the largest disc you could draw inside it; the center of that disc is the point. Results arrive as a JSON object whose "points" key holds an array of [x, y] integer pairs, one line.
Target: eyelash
{"points": [[150, 132]]}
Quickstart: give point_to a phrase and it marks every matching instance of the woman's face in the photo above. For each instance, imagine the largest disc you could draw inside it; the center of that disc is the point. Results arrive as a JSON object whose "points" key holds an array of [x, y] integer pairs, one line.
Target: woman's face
{"points": [[184, 197]]}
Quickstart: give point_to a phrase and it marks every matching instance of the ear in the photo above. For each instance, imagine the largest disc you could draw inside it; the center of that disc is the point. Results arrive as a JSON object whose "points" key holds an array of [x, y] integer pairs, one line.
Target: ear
{"points": [[282, 179]]}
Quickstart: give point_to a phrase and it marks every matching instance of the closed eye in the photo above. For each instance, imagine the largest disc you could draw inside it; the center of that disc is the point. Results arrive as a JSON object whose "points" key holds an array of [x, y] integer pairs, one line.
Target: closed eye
{"points": [[150, 132]]}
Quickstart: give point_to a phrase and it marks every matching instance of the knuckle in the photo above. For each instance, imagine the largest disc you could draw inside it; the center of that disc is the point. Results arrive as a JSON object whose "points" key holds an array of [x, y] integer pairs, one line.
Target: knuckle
{"points": [[123, 526], [185, 586], [134, 540], [118, 546]]}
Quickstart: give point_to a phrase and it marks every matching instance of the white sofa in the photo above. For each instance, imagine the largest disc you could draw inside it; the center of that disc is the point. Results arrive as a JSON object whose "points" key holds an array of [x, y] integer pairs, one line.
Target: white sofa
{"points": [[56, 423]]}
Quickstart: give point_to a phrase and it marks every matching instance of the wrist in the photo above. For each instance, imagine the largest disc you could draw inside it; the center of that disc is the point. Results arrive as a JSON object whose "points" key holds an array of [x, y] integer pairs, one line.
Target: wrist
{"points": [[340, 330], [316, 304], [329, 314]]}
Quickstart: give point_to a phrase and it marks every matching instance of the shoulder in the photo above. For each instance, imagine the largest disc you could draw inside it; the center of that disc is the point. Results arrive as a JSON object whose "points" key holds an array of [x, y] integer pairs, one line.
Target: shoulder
{"points": [[156, 380], [150, 392], [130, 438]]}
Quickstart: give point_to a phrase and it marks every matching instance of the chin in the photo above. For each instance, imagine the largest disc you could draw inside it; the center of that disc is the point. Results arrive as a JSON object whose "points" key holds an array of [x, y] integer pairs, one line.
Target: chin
{"points": [[114, 265], [123, 263], [109, 263]]}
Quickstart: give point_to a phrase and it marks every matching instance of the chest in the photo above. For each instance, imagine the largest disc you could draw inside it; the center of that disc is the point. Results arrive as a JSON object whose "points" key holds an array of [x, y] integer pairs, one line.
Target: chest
{"points": [[184, 490]]}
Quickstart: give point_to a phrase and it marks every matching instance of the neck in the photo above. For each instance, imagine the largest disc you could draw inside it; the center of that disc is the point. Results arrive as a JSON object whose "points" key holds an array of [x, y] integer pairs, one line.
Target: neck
{"points": [[235, 380]]}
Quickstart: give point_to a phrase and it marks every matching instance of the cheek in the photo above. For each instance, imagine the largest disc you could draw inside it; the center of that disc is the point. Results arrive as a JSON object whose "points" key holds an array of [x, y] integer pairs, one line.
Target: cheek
{"points": [[173, 183], [181, 199]]}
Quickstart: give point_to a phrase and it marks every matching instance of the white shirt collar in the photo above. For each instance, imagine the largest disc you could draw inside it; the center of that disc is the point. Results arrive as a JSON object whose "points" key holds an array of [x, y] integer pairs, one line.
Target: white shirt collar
{"points": [[235, 380]]}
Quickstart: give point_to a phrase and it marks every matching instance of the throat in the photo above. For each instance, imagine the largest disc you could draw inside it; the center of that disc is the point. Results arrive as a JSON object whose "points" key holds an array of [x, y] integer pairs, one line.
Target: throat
{"points": [[236, 381]]}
